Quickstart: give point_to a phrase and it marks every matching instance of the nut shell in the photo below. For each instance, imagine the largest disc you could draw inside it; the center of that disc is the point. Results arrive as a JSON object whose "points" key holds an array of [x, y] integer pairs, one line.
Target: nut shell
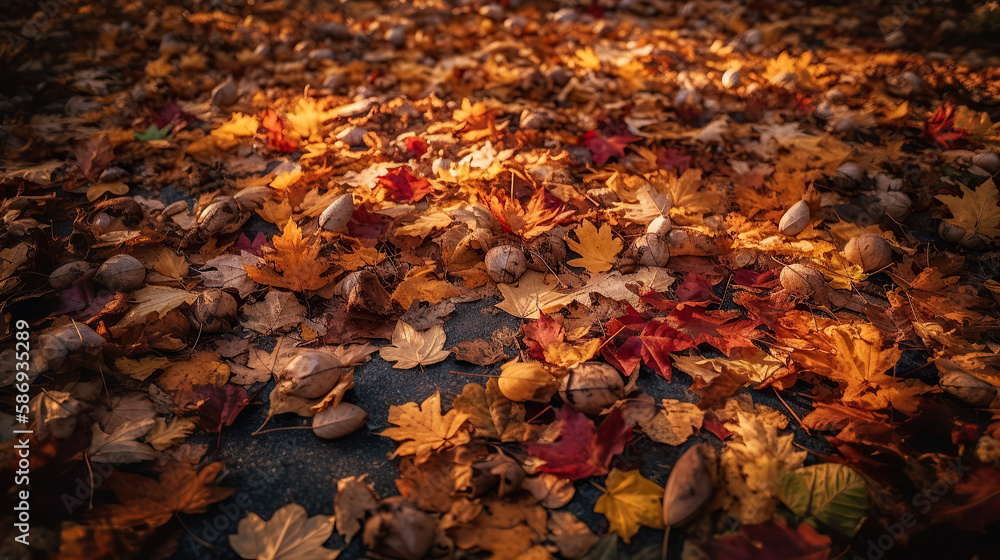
{"points": [[651, 249], [222, 216], [64, 276], [592, 387], [338, 213], [338, 421], [546, 253], [951, 232], [988, 162], [804, 281], [795, 219], [526, 381], [310, 375], [690, 485], [121, 273], [214, 311], [894, 204], [869, 251], [506, 263], [970, 389]]}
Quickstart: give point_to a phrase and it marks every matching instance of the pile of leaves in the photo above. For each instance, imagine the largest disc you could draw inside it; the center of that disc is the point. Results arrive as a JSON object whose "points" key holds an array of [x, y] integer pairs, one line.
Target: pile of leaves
{"points": [[222, 188]]}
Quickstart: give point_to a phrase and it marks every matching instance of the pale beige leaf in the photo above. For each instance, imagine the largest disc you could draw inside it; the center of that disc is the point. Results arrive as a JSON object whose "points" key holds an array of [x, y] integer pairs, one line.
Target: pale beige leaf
{"points": [[289, 535], [278, 312], [155, 299], [411, 348]]}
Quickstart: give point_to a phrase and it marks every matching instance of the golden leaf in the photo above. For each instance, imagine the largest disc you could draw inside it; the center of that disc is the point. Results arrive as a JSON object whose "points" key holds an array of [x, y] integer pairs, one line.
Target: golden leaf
{"points": [[976, 211], [631, 501], [598, 248], [421, 429], [420, 285], [155, 299]]}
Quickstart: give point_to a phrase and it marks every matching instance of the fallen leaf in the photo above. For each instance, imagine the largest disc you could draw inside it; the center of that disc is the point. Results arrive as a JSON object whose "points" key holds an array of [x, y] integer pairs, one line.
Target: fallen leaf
{"points": [[581, 450], [278, 312], [289, 535], [630, 501], [411, 348], [421, 429], [598, 248], [179, 489], [294, 264], [978, 211]]}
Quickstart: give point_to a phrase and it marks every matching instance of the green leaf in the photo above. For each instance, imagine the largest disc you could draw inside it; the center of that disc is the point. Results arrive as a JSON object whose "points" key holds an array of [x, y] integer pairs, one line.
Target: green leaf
{"points": [[154, 133], [831, 493]]}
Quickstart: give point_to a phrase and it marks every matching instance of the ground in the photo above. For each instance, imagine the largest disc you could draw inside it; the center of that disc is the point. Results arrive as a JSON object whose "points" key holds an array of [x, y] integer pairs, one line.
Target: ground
{"points": [[545, 250]]}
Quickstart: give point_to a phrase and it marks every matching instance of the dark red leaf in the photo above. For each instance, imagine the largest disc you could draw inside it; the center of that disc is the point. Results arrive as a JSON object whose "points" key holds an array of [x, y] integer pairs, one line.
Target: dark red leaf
{"points": [[541, 333], [416, 145], [218, 407], [771, 540], [940, 127], [274, 131], [581, 450], [696, 287], [660, 339]]}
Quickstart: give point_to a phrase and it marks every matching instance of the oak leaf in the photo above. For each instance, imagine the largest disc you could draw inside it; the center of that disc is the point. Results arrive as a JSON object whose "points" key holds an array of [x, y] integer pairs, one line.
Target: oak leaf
{"points": [[411, 348], [294, 264], [630, 501], [289, 535], [598, 248], [421, 429]]}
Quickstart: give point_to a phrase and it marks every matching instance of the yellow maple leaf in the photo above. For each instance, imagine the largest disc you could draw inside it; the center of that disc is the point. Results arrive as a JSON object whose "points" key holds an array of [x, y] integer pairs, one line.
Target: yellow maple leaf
{"points": [[976, 211], [411, 348], [587, 58], [295, 263], [230, 134], [631, 500], [422, 429], [598, 248], [420, 285]]}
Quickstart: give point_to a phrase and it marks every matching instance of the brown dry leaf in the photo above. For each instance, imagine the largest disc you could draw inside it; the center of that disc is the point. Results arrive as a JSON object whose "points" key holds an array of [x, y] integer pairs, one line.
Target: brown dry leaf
{"points": [[570, 535], [435, 484], [420, 285], [551, 491], [142, 368], [121, 446], [157, 300], [509, 530], [165, 435], [754, 461], [354, 500], [411, 348], [203, 368], [421, 429], [278, 312], [261, 365], [170, 264], [179, 489], [97, 190], [294, 263], [289, 535], [480, 352], [675, 423]]}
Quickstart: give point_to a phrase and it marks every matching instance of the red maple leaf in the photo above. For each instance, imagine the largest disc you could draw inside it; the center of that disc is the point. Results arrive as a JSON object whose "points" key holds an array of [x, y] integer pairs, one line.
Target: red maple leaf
{"points": [[402, 186], [766, 280], [581, 450], [416, 145], [660, 339], [722, 329], [771, 540], [218, 407], [625, 357], [672, 159], [696, 287], [940, 127], [366, 224], [274, 131], [541, 333], [252, 247], [603, 148]]}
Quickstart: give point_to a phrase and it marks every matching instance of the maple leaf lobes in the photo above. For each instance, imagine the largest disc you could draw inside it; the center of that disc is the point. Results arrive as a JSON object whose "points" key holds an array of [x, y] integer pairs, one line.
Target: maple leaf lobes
{"points": [[581, 449], [403, 186], [604, 148]]}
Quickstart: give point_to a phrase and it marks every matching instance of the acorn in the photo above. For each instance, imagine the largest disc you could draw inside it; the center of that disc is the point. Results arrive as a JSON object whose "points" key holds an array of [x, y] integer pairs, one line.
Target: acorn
{"points": [[121, 273], [651, 249], [352, 135], [592, 387], [338, 421], [338, 213], [690, 485], [546, 253], [685, 241], [869, 251], [214, 311], [851, 171], [989, 162], [951, 232], [175, 208], [506, 263], [64, 276], [970, 389], [894, 204], [731, 78], [310, 375], [399, 530], [804, 281], [795, 219], [222, 216], [225, 94]]}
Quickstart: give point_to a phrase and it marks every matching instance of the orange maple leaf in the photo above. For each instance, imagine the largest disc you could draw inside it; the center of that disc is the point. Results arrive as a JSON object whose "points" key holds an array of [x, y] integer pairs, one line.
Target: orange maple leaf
{"points": [[543, 212], [294, 263]]}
